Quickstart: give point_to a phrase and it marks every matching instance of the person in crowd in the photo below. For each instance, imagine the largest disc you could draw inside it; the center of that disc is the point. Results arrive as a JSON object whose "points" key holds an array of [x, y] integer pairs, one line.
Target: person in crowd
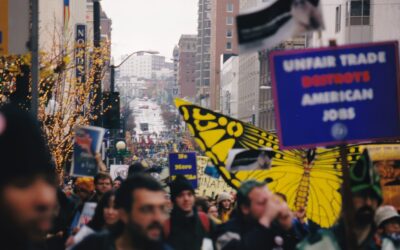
{"points": [[142, 209], [117, 182], [263, 221], [83, 191], [105, 216], [103, 183], [366, 198], [28, 193], [213, 214], [387, 219], [201, 204], [224, 202], [187, 228], [136, 168]]}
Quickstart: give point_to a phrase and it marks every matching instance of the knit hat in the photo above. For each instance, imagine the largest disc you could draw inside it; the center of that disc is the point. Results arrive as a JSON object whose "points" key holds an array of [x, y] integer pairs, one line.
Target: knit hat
{"points": [[23, 150], [86, 183], [223, 196], [179, 185], [385, 213], [364, 178]]}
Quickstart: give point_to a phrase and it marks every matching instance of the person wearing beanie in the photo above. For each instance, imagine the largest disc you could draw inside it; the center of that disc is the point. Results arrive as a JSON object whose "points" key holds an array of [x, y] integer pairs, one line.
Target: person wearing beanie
{"points": [[224, 202], [187, 228], [387, 219], [366, 198], [28, 193]]}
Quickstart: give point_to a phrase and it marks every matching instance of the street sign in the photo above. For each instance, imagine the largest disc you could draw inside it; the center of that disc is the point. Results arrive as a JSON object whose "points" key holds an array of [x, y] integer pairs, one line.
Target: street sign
{"points": [[336, 95], [184, 164]]}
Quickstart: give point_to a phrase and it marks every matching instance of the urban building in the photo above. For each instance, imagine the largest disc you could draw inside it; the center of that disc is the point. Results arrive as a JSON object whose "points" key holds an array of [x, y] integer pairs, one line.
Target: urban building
{"points": [[105, 33], [187, 66], [175, 59], [203, 56], [229, 87], [148, 66], [223, 41], [358, 21]]}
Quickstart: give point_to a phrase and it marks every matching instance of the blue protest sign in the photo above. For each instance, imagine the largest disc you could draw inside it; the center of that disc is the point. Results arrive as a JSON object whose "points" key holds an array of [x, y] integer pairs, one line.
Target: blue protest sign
{"points": [[335, 95], [184, 164], [87, 143]]}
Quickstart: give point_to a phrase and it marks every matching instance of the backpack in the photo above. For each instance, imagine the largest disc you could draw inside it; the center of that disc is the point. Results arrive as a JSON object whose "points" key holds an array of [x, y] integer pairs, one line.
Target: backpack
{"points": [[205, 222]]}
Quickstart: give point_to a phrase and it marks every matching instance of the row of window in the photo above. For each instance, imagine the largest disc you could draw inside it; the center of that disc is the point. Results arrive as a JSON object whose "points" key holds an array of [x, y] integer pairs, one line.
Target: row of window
{"points": [[357, 13]]}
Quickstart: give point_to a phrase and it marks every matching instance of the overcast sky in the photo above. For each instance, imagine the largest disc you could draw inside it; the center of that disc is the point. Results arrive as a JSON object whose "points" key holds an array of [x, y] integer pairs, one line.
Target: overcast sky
{"points": [[149, 24]]}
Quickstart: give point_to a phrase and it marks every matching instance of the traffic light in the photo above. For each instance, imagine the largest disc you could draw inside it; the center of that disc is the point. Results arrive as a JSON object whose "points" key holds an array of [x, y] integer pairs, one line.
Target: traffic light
{"points": [[111, 103]]}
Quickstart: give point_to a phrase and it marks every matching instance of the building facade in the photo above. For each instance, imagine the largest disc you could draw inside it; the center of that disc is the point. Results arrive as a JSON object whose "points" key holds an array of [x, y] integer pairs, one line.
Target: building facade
{"points": [[223, 41], [229, 87], [147, 66], [203, 56], [187, 66]]}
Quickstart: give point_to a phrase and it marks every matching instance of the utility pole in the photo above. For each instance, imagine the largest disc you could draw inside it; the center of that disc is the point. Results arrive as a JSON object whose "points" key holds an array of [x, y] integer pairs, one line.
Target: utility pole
{"points": [[97, 74], [35, 57]]}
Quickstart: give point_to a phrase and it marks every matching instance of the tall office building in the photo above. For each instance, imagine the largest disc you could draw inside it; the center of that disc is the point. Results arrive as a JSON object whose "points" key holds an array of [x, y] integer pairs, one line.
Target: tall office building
{"points": [[187, 66], [203, 56], [223, 42]]}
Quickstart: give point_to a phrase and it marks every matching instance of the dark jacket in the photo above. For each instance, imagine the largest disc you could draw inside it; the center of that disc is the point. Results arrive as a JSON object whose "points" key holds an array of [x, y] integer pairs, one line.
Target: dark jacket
{"points": [[187, 233], [368, 244], [106, 241], [241, 234]]}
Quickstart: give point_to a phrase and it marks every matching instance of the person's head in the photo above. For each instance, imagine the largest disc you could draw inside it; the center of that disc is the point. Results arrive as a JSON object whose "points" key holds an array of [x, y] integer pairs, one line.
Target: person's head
{"points": [[105, 215], [387, 219], [84, 188], [103, 183], [142, 206], [117, 182], [136, 168], [27, 180], [213, 211], [366, 191], [252, 199], [224, 201], [182, 194], [201, 204]]}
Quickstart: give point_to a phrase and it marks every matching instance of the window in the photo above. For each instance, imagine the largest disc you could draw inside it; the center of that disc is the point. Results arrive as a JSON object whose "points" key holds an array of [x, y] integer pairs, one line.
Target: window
{"points": [[229, 45], [229, 7], [229, 33], [229, 20], [338, 18], [359, 12]]}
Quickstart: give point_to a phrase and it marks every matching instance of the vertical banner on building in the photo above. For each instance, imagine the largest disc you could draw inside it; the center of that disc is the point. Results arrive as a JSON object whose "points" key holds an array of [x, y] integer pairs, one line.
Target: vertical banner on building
{"points": [[184, 164], [3, 27], [80, 54]]}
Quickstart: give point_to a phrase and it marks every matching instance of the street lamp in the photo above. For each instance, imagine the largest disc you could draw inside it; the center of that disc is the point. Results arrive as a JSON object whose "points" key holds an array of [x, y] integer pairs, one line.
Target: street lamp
{"points": [[113, 67], [121, 145]]}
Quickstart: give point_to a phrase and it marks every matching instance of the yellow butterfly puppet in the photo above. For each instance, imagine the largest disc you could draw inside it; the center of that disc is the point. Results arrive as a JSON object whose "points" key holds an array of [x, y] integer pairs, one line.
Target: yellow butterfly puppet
{"points": [[310, 179]]}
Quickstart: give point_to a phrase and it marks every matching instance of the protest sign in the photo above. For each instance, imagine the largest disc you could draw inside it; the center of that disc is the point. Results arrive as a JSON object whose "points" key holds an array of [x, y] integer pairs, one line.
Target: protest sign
{"points": [[119, 171], [87, 213], [336, 95], [88, 141], [184, 164]]}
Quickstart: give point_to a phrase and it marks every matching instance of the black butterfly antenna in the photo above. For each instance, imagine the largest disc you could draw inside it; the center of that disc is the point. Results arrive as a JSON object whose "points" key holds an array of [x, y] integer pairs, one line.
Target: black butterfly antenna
{"points": [[310, 155]]}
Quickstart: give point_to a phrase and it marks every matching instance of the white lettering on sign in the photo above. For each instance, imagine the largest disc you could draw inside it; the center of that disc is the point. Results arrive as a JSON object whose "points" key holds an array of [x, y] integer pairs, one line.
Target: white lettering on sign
{"points": [[350, 95], [309, 63], [342, 114], [363, 58]]}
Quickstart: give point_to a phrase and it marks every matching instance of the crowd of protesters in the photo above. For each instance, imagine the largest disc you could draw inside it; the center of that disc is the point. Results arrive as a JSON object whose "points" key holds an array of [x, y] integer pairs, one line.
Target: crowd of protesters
{"points": [[140, 213]]}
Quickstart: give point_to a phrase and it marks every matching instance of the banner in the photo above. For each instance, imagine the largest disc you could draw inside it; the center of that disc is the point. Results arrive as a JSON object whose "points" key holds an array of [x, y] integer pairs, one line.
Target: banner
{"points": [[119, 171], [87, 144], [209, 186], [336, 95], [184, 164], [266, 26], [3, 27], [80, 53]]}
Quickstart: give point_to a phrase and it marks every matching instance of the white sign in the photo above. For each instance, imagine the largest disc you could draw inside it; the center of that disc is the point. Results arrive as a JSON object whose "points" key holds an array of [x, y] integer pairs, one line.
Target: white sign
{"points": [[119, 170]]}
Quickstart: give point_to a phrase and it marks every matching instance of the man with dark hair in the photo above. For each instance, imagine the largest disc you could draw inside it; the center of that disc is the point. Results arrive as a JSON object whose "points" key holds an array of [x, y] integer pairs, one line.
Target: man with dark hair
{"points": [[103, 183], [27, 181], [263, 221], [143, 210], [187, 227]]}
